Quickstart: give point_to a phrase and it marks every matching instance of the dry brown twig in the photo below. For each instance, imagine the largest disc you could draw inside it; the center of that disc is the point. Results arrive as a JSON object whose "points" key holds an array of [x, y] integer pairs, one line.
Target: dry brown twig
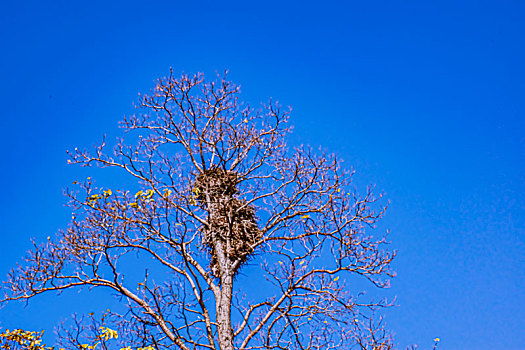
{"points": [[219, 188]]}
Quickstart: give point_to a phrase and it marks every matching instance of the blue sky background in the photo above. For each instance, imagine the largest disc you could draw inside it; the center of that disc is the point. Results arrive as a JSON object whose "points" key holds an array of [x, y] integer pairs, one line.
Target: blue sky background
{"points": [[423, 98]]}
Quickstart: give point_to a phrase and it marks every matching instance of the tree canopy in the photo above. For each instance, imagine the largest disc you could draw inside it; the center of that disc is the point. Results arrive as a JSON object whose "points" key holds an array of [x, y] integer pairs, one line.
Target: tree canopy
{"points": [[218, 193]]}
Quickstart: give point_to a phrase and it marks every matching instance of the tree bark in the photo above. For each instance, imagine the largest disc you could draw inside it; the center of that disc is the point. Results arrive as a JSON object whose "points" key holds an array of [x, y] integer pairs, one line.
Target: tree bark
{"points": [[224, 301], [224, 313]]}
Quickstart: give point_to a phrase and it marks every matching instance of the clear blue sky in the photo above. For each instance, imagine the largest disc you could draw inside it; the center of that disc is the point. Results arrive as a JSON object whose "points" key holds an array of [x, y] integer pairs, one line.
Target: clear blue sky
{"points": [[424, 98]]}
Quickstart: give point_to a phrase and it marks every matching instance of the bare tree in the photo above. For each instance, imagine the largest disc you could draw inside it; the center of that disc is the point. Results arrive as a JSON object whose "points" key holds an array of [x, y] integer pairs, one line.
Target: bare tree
{"points": [[221, 197]]}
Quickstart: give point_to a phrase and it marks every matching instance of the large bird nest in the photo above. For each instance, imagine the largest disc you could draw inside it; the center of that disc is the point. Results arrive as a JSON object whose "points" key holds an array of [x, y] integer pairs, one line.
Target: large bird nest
{"points": [[232, 224]]}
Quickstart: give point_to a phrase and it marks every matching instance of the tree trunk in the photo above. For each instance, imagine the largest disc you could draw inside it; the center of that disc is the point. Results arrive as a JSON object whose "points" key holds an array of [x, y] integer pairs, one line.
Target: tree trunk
{"points": [[224, 313]]}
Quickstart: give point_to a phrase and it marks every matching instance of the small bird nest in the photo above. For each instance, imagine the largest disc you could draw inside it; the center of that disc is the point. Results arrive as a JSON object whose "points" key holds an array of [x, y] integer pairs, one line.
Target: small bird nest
{"points": [[232, 224]]}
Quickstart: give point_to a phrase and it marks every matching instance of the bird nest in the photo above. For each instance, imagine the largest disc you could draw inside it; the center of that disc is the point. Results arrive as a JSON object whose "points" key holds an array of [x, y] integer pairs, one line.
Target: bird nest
{"points": [[215, 184], [232, 224]]}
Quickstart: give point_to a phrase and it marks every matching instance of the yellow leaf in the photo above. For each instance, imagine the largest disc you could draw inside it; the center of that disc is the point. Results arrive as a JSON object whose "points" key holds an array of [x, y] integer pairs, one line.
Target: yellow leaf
{"points": [[305, 216], [93, 197], [335, 279], [138, 193], [134, 205]]}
